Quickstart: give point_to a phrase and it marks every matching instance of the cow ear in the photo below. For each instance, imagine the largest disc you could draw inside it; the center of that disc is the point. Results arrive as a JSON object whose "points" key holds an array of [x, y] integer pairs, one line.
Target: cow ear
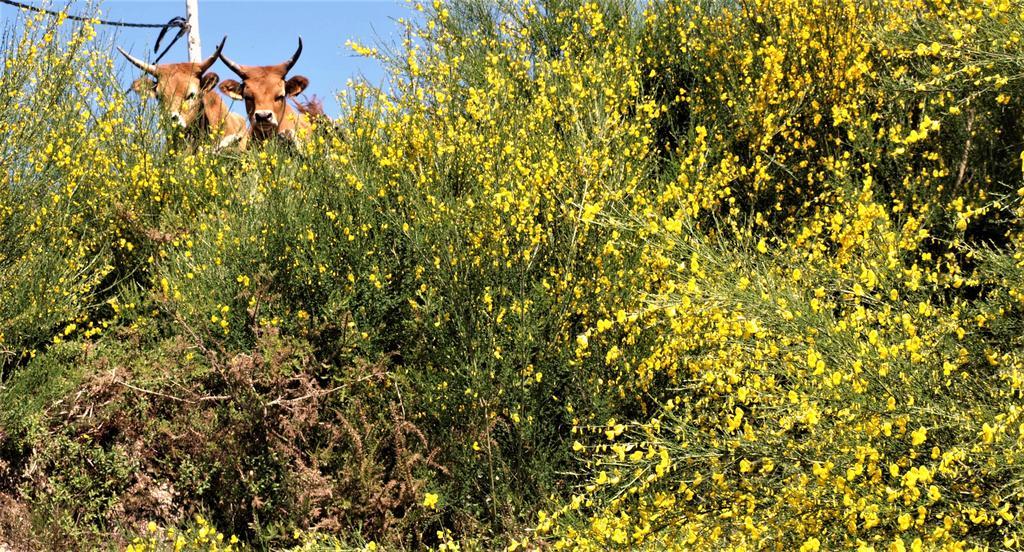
{"points": [[208, 81], [296, 85], [144, 86], [232, 89]]}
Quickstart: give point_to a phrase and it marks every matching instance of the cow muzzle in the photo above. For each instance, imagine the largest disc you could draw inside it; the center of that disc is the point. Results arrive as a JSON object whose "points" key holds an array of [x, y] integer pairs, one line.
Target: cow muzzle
{"points": [[178, 120], [264, 118]]}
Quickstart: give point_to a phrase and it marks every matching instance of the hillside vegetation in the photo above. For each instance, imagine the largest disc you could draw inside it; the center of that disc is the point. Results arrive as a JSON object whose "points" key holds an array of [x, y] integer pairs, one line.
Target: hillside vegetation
{"points": [[583, 275]]}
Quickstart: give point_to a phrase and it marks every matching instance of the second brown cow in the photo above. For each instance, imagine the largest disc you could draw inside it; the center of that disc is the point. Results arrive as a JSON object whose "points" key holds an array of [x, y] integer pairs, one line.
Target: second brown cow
{"points": [[265, 90]]}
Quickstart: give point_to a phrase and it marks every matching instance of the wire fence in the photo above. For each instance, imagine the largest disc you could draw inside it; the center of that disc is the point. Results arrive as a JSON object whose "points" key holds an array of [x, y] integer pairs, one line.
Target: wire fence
{"points": [[179, 22]]}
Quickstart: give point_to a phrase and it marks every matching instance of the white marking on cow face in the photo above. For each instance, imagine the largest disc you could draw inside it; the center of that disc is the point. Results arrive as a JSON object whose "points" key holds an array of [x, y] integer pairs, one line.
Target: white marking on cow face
{"points": [[264, 118], [187, 105]]}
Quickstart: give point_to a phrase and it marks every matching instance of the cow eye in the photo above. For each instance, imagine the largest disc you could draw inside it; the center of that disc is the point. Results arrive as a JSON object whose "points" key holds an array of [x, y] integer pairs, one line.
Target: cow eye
{"points": [[190, 95], [280, 98]]}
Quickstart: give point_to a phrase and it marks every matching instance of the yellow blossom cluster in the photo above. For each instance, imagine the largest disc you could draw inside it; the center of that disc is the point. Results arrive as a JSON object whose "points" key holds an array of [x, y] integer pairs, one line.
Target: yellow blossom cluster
{"points": [[200, 536]]}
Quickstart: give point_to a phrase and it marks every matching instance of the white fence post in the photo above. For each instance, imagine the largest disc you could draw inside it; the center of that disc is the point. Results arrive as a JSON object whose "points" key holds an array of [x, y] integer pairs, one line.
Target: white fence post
{"points": [[195, 53]]}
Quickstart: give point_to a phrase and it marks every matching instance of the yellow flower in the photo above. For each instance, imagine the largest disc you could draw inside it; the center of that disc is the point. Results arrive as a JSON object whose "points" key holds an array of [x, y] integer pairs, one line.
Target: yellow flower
{"points": [[905, 521], [430, 500], [811, 416], [811, 545], [733, 422], [987, 433]]}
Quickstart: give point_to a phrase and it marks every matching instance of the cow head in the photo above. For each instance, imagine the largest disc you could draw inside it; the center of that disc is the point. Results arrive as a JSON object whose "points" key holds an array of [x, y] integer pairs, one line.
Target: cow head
{"points": [[265, 90], [179, 87]]}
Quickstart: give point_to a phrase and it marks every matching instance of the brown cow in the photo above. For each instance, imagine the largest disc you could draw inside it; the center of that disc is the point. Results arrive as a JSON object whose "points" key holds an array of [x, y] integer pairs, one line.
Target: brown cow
{"points": [[265, 92], [186, 94]]}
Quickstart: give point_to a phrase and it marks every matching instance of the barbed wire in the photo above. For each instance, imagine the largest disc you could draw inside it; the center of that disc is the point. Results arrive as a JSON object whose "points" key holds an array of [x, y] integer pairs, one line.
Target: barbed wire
{"points": [[178, 22]]}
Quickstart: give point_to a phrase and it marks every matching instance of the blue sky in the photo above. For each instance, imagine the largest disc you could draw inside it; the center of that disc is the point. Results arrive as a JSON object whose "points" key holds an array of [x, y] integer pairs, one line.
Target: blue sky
{"points": [[261, 32]]}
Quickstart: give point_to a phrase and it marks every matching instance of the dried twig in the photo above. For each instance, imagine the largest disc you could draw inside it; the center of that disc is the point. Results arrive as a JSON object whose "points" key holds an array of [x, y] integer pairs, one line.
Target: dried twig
{"points": [[210, 398], [967, 150]]}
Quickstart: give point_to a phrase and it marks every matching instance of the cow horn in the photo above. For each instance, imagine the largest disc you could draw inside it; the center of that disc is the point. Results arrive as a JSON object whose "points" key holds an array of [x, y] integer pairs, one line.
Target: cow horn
{"points": [[232, 65], [147, 67], [295, 57], [208, 62]]}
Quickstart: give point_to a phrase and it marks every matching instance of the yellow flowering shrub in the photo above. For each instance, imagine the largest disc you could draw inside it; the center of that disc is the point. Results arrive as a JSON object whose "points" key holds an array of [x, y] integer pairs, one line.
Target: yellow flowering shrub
{"points": [[832, 346], [584, 275]]}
